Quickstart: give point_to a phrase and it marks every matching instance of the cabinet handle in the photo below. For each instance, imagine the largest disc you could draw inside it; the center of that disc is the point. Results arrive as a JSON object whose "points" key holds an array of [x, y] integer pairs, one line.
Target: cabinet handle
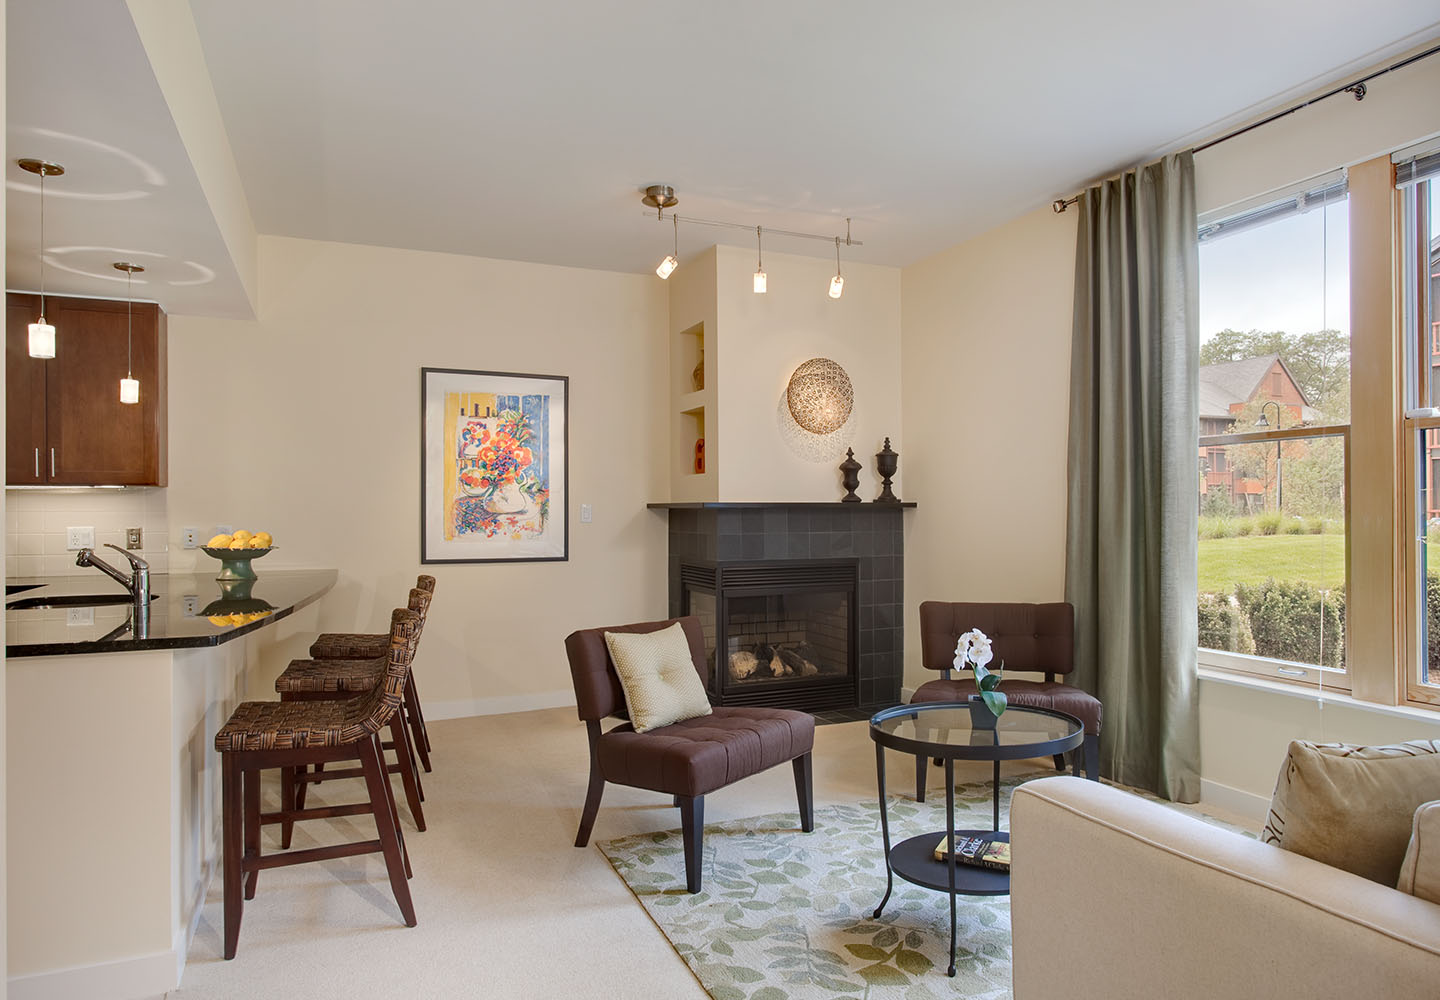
{"points": [[52, 463], [37, 463]]}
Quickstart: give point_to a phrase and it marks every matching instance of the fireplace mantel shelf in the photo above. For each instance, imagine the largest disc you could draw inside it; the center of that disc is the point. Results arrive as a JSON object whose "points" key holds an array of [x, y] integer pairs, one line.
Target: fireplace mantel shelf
{"points": [[764, 505]]}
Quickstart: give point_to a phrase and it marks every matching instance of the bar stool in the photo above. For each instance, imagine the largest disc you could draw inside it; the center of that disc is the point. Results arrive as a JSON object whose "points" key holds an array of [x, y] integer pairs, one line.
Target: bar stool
{"points": [[262, 735], [332, 680], [364, 646]]}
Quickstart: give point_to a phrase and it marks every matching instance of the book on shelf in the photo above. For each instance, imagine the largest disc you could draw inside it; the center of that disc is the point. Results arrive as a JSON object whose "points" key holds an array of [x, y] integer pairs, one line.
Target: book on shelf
{"points": [[982, 852]]}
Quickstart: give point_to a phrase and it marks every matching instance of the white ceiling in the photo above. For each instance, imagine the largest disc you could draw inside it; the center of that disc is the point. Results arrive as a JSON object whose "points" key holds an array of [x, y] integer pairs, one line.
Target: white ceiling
{"points": [[524, 130], [80, 92]]}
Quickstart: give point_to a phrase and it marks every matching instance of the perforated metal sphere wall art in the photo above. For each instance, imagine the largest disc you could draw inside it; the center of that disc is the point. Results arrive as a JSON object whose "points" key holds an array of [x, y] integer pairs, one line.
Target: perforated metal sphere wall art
{"points": [[820, 396]]}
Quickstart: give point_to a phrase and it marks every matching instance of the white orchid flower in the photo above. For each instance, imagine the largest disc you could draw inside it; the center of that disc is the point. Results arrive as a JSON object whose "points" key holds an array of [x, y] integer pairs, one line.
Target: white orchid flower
{"points": [[980, 651], [962, 651]]}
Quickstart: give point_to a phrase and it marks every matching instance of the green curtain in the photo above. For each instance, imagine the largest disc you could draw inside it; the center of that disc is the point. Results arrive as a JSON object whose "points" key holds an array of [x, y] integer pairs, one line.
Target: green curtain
{"points": [[1133, 507]]}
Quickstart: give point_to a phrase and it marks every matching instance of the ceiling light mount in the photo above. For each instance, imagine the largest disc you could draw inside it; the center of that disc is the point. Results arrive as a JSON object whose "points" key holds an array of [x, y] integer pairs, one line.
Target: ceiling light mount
{"points": [[42, 167], [660, 197]]}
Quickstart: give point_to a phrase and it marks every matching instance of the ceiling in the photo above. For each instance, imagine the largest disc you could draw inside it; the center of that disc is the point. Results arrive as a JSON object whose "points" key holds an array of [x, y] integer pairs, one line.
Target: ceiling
{"points": [[526, 131], [80, 92]]}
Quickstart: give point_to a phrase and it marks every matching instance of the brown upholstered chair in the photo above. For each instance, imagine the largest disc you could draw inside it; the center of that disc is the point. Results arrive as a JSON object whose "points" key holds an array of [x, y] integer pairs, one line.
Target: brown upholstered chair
{"points": [[686, 760], [1035, 638]]}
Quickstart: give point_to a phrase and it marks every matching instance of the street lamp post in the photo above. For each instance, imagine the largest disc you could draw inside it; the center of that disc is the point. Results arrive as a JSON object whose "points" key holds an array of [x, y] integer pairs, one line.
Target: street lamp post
{"points": [[1262, 422]]}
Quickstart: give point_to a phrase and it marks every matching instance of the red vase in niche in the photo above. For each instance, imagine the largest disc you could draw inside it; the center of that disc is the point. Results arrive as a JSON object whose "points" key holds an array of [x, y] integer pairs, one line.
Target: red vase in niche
{"points": [[699, 455]]}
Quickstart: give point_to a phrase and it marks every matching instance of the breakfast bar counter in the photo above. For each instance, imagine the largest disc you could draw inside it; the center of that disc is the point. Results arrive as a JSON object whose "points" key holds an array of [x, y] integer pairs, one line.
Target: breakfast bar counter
{"points": [[113, 791]]}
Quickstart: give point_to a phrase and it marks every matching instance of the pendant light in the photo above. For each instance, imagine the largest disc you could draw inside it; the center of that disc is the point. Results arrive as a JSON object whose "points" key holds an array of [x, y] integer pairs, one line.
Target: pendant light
{"points": [[42, 334], [759, 266], [837, 283], [129, 385], [669, 264]]}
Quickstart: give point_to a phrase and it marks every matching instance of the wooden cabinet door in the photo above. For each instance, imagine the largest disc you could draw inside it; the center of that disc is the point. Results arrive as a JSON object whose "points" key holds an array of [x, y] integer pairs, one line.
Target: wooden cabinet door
{"points": [[95, 439], [26, 457]]}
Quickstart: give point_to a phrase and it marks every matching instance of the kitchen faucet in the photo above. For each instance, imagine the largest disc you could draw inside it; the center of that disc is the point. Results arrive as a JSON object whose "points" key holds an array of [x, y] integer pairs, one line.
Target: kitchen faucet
{"points": [[138, 583]]}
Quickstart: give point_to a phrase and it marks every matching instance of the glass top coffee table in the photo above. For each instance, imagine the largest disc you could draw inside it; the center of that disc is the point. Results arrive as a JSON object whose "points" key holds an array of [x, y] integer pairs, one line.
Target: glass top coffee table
{"points": [[949, 732]]}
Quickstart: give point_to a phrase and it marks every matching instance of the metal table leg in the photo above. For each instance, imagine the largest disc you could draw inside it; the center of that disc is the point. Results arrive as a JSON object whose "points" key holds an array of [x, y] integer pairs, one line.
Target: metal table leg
{"points": [[950, 842], [885, 830], [996, 786]]}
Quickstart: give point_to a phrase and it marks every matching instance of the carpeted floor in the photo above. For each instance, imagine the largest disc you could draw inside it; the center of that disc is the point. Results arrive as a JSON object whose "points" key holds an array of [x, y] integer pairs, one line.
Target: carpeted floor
{"points": [[786, 915]]}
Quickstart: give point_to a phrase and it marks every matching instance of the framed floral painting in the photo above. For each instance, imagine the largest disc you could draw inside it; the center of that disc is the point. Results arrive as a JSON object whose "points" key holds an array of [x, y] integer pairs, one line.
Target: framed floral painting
{"points": [[493, 466]]}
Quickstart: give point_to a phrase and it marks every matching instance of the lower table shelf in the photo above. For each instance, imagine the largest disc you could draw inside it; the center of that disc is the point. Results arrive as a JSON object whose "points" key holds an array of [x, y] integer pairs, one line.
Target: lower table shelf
{"points": [[914, 861]]}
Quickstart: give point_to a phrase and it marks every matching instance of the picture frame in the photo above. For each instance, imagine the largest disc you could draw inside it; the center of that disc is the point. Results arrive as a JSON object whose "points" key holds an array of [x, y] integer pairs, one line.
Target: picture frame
{"points": [[494, 466]]}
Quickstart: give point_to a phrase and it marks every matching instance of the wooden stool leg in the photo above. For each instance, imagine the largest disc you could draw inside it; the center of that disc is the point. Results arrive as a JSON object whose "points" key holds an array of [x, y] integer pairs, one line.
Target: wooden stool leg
{"points": [[232, 848], [287, 801], [301, 786], [417, 722], [252, 828], [412, 747], [407, 769], [372, 762]]}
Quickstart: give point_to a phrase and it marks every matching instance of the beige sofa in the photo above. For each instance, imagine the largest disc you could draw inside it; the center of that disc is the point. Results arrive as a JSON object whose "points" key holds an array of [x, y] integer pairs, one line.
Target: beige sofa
{"points": [[1116, 896]]}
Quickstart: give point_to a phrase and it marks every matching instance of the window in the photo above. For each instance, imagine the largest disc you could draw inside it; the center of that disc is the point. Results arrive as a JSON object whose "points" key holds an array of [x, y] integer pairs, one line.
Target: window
{"points": [[1274, 392], [1418, 176]]}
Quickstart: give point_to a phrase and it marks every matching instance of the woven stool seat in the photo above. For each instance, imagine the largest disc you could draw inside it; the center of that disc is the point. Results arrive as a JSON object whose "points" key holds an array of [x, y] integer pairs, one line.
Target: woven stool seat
{"points": [[291, 725], [336, 677], [349, 646]]}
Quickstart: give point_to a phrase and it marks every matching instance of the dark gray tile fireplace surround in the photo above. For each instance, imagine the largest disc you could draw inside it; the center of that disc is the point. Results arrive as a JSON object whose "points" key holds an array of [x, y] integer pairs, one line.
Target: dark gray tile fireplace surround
{"points": [[870, 533]]}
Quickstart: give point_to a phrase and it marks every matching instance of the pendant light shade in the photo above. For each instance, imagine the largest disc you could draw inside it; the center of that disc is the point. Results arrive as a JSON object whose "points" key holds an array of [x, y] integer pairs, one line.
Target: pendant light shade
{"points": [[42, 334], [837, 283], [759, 266], [42, 339], [129, 385], [670, 263]]}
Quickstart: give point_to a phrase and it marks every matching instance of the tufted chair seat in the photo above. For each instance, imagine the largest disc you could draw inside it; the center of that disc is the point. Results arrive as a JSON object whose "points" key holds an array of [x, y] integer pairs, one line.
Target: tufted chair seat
{"points": [[1029, 638]]}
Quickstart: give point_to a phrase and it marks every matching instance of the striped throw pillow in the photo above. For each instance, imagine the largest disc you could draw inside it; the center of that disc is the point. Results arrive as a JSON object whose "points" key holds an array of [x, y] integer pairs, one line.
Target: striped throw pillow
{"points": [[658, 677]]}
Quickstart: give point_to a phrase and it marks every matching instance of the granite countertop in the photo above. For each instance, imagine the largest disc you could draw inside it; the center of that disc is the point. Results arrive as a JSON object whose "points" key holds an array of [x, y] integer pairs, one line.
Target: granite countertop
{"points": [[781, 504], [180, 613]]}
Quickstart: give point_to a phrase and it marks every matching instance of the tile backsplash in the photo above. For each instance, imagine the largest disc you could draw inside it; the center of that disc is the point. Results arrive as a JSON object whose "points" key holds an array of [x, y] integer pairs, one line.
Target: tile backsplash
{"points": [[36, 521]]}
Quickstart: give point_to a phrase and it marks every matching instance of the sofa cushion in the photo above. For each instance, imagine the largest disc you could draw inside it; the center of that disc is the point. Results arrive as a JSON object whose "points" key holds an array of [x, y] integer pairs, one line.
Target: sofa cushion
{"points": [[658, 676], [1351, 807], [1420, 871]]}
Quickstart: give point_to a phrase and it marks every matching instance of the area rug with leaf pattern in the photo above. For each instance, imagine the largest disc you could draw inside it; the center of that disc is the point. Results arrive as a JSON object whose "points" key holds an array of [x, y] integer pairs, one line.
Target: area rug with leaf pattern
{"points": [[786, 915]]}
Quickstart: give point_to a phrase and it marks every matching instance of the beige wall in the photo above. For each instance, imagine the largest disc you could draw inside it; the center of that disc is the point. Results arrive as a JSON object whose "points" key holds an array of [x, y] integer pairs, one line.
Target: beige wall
{"points": [[761, 339], [986, 375], [306, 423]]}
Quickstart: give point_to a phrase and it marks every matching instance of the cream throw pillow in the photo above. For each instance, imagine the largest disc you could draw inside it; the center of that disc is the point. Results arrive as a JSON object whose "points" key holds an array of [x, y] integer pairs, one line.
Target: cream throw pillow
{"points": [[658, 676], [1351, 807], [1420, 872]]}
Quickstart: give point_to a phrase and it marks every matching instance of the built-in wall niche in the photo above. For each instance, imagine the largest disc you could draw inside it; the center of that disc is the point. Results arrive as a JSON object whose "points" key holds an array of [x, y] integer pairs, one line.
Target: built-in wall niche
{"points": [[692, 401], [692, 359], [692, 429]]}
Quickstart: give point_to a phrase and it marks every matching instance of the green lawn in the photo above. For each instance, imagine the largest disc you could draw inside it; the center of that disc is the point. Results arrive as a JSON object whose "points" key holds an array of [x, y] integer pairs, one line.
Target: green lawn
{"points": [[1224, 562]]}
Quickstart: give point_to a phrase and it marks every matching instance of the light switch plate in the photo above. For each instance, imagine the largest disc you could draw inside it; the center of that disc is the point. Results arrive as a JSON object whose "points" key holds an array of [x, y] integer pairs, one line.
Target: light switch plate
{"points": [[587, 514], [80, 538], [224, 529], [80, 616]]}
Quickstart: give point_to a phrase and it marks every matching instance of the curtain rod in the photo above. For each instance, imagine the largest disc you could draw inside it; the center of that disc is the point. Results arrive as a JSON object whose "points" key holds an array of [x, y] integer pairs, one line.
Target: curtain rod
{"points": [[1356, 87]]}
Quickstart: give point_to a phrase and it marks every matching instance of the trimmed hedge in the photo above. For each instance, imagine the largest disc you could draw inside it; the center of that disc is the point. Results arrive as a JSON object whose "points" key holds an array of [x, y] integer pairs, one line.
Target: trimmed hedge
{"points": [[1285, 618], [1225, 625]]}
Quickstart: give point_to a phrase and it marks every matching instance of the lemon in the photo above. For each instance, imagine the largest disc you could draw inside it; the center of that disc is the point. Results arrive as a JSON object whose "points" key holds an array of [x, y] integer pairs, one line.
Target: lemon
{"points": [[268, 539], [219, 542], [241, 536], [219, 620], [258, 542]]}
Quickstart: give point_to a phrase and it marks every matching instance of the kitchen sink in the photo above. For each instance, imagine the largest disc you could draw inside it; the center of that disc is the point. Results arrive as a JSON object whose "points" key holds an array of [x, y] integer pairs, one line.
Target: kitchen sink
{"points": [[20, 588], [70, 601]]}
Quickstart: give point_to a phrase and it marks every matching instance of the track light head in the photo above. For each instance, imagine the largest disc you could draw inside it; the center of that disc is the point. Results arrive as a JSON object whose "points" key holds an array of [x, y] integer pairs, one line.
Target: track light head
{"points": [[667, 266], [837, 287]]}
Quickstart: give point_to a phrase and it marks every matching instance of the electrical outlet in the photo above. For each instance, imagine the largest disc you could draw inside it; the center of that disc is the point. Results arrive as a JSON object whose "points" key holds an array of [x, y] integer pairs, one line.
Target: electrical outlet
{"points": [[134, 538], [80, 616], [191, 537], [80, 538], [587, 514], [191, 604]]}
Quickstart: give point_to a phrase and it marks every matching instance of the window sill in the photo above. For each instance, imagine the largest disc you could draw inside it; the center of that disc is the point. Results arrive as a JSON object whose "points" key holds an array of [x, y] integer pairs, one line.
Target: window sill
{"points": [[1329, 697]]}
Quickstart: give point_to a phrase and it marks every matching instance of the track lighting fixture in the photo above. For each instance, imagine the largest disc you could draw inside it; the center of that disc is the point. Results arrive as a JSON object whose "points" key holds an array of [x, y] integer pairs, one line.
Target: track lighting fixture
{"points": [[129, 385], [42, 334], [759, 266], [837, 283], [669, 264]]}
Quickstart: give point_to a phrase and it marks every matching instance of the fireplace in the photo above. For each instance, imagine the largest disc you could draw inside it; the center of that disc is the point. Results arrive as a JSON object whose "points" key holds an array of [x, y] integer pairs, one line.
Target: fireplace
{"points": [[780, 633]]}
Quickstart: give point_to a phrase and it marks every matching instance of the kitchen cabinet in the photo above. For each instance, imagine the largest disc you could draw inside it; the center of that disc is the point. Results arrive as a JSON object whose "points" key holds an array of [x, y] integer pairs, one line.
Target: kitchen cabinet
{"points": [[64, 422]]}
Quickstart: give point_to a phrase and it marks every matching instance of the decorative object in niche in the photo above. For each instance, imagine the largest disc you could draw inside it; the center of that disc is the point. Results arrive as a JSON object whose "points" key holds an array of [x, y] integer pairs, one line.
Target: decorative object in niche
{"points": [[699, 456], [494, 466], [887, 463], [820, 396], [850, 476], [697, 374]]}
